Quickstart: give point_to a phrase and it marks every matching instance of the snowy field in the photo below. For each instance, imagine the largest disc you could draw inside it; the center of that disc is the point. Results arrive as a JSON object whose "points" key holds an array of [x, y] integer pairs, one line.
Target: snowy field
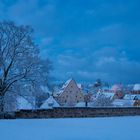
{"points": [[117, 128]]}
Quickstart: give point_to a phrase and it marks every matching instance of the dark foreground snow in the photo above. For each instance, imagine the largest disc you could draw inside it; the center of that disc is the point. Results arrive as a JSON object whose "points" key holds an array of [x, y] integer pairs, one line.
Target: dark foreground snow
{"points": [[117, 128]]}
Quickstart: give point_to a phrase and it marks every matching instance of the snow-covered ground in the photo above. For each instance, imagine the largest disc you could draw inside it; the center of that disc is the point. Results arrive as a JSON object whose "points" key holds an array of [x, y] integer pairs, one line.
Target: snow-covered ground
{"points": [[117, 128]]}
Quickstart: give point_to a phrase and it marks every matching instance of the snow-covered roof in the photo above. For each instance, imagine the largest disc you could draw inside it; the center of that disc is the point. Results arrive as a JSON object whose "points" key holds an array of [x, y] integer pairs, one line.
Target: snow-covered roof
{"points": [[136, 87], [107, 94], [122, 102], [61, 90], [22, 103], [49, 103], [64, 86], [130, 87], [129, 97], [66, 83], [132, 97]]}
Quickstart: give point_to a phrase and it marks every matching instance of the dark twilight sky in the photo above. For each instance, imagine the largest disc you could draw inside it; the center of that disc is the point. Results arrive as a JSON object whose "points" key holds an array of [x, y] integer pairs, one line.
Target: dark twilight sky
{"points": [[85, 39]]}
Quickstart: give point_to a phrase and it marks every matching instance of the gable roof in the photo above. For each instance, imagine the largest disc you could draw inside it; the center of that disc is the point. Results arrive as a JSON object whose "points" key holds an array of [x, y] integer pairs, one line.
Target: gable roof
{"points": [[121, 102], [65, 85], [106, 94], [131, 97], [136, 87], [23, 103], [49, 103]]}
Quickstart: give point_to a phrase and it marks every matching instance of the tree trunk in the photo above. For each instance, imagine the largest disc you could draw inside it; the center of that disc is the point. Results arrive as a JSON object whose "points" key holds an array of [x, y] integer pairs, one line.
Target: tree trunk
{"points": [[1, 104], [86, 103]]}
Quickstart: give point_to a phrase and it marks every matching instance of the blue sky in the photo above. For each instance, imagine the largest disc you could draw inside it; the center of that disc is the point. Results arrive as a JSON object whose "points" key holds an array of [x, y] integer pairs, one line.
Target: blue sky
{"points": [[85, 39]]}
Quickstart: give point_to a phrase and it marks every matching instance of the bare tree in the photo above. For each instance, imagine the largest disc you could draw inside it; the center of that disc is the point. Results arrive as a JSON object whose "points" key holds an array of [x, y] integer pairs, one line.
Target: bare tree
{"points": [[20, 63], [102, 101]]}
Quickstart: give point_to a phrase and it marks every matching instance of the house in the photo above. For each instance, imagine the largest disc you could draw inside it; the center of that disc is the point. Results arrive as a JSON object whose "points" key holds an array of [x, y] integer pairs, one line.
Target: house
{"points": [[110, 94], [17, 102], [50, 103], [125, 103], [42, 95], [128, 100], [135, 97], [131, 97], [136, 89], [23, 103], [117, 89], [70, 94], [137, 103]]}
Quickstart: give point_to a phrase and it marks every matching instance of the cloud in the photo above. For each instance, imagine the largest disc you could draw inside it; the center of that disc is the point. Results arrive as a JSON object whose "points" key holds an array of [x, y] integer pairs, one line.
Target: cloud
{"points": [[107, 63], [85, 39], [46, 41], [36, 13], [105, 60]]}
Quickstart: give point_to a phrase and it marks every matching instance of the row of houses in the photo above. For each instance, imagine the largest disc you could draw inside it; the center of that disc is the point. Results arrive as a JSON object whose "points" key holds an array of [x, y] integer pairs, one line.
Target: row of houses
{"points": [[72, 94]]}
